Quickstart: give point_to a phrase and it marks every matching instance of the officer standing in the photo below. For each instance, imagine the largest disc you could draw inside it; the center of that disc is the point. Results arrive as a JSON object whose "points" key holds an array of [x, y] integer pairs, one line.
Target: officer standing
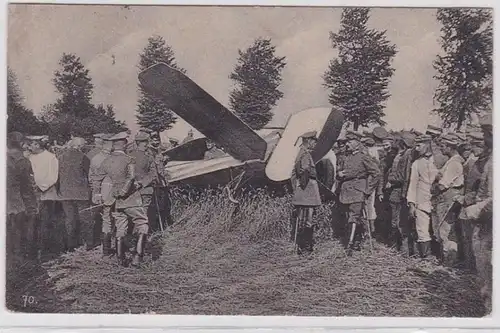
{"points": [[145, 171], [359, 176], [126, 199], [306, 194]]}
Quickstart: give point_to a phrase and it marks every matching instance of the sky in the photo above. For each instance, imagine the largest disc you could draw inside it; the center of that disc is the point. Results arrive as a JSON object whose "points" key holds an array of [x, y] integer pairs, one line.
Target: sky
{"points": [[206, 41]]}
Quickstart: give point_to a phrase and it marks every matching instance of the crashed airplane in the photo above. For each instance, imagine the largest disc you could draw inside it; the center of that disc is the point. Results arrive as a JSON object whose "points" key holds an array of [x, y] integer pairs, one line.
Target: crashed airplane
{"points": [[248, 158]]}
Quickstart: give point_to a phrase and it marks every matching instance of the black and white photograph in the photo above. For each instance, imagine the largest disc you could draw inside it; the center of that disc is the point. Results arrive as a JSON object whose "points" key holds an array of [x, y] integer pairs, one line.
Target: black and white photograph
{"points": [[249, 160]]}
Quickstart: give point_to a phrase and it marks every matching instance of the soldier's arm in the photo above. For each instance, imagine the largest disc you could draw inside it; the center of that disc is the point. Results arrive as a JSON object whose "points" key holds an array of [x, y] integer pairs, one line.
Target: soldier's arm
{"points": [[129, 179], [148, 179], [27, 186], [373, 172], [411, 195]]}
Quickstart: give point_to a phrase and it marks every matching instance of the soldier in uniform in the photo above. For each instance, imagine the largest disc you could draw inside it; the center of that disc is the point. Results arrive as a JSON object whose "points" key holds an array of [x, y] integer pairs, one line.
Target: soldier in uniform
{"points": [[126, 199], [101, 184], [145, 171], [479, 214], [98, 142], [359, 175], [306, 194]]}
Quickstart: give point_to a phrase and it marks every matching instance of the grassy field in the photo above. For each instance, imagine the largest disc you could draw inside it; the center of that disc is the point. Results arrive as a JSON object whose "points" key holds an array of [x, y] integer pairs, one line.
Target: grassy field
{"points": [[222, 259]]}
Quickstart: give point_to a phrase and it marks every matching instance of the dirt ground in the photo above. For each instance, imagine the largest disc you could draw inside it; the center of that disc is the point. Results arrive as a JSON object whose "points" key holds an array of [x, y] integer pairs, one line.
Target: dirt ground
{"points": [[197, 273]]}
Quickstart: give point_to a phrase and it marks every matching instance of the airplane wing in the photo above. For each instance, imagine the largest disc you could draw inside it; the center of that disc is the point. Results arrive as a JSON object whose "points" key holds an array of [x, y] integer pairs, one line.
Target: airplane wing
{"points": [[282, 160], [329, 134], [189, 151], [203, 112], [216, 171]]}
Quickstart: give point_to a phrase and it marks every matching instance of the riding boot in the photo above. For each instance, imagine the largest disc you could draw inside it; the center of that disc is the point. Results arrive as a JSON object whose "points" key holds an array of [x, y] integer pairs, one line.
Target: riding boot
{"points": [[139, 255], [358, 237], [106, 244], [120, 251], [310, 240]]}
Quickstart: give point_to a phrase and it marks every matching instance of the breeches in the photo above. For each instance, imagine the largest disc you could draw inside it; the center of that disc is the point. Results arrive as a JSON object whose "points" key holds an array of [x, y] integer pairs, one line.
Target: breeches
{"points": [[138, 217], [354, 214], [371, 214], [107, 224], [396, 215], [305, 216], [422, 224]]}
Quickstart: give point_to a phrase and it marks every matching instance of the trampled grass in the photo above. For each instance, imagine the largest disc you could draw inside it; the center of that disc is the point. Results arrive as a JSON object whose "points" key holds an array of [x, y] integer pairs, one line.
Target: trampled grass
{"points": [[226, 259]]}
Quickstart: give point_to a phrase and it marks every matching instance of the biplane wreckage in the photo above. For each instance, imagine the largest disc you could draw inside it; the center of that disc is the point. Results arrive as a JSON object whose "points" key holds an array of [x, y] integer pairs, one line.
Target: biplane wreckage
{"points": [[248, 158]]}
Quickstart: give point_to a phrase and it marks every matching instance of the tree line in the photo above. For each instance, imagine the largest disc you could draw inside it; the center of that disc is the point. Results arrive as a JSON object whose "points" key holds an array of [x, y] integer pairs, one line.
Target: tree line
{"points": [[357, 80]]}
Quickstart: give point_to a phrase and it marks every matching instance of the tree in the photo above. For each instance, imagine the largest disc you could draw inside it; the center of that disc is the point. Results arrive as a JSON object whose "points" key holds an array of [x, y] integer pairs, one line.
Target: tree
{"points": [[258, 75], [359, 77], [464, 71], [152, 113], [19, 117], [73, 113], [75, 87]]}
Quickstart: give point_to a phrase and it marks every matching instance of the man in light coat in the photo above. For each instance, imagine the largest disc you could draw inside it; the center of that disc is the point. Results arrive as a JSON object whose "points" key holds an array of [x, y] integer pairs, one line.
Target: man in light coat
{"points": [[423, 174]]}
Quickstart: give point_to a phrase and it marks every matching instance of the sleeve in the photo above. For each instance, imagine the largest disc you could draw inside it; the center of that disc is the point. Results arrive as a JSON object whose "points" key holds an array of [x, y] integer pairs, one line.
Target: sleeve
{"points": [[148, 179], [96, 176], [411, 195], [130, 178], [373, 172], [304, 171], [451, 173], [27, 186], [86, 166]]}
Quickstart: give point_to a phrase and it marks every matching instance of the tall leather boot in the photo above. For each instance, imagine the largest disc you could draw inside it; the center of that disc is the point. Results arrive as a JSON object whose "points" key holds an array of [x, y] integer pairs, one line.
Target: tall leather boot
{"points": [[120, 251], [139, 255], [426, 249], [106, 244]]}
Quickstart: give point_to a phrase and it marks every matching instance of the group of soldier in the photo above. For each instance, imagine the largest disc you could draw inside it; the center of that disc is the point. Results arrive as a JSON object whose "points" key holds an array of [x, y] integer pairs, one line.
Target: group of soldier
{"points": [[428, 195], [115, 190]]}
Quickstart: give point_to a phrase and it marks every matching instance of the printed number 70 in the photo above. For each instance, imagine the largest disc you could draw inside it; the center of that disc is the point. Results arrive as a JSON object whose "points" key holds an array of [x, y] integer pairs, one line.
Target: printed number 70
{"points": [[28, 300]]}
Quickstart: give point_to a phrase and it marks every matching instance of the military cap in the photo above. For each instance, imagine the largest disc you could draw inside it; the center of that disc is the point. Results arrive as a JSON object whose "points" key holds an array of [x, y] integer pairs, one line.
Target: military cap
{"points": [[417, 133], [486, 120], [423, 138], [451, 139], [366, 133], [107, 136], [433, 130], [141, 136], [380, 133], [368, 141], [475, 136], [460, 136], [77, 142], [408, 138], [119, 136], [309, 135], [352, 135], [36, 137], [99, 135]]}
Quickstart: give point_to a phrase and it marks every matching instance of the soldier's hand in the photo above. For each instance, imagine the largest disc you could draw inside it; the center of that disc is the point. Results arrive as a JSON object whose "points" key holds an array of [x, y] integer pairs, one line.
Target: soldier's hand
{"points": [[341, 174], [412, 210], [388, 185], [380, 197]]}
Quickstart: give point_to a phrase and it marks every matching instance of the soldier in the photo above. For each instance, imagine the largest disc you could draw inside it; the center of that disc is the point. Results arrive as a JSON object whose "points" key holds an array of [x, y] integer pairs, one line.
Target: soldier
{"points": [[479, 214], [145, 171], [397, 187], [126, 200], [371, 214], [423, 173], [74, 192], [98, 142], [101, 184], [450, 184], [436, 133], [21, 202], [306, 194], [359, 176]]}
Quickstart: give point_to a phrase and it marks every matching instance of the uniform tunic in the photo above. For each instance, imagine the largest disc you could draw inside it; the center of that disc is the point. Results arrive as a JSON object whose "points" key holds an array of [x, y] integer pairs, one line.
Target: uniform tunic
{"points": [[101, 184], [361, 176], [120, 169], [306, 189]]}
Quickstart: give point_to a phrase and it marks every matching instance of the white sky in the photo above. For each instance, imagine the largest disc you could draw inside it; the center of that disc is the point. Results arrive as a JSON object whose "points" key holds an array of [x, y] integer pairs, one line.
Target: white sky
{"points": [[206, 41]]}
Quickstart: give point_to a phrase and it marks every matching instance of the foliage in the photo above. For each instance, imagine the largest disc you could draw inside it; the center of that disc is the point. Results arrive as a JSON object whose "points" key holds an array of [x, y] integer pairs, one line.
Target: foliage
{"points": [[359, 77], [465, 69], [152, 113], [258, 74], [19, 117], [73, 113]]}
